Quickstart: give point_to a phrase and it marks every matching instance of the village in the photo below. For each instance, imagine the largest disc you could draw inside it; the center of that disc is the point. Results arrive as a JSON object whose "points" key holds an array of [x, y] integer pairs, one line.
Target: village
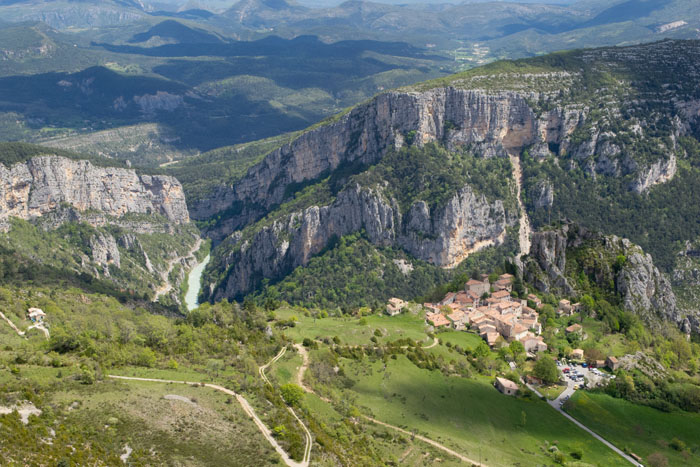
{"points": [[490, 310]]}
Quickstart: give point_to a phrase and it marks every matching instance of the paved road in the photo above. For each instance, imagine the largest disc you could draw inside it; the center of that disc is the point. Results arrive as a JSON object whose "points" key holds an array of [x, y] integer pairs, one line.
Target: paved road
{"points": [[556, 405], [247, 408]]}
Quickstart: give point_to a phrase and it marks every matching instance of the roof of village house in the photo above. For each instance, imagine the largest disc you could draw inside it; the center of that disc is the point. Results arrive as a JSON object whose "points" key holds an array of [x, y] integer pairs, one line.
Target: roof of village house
{"points": [[36, 312], [437, 319], [612, 359], [474, 282], [564, 301], [577, 352], [506, 383], [506, 276], [503, 282], [528, 311], [500, 294], [519, 328], [532, 297], [456, 315], [492, 337], [574, 328]]}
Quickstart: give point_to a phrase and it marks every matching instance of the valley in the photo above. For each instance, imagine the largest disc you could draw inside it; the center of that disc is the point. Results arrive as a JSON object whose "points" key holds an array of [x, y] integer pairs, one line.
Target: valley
{"points": [[275, 233]]}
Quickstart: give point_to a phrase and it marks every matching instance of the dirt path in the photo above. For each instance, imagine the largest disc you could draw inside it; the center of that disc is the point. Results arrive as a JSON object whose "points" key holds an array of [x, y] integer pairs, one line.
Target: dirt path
{"points": [[40, 327], [307, 433], [435, 342], [524, 231], [261, 370], [300, 381], [12, 325], [246, 408], [426, 440], [165, 275]]}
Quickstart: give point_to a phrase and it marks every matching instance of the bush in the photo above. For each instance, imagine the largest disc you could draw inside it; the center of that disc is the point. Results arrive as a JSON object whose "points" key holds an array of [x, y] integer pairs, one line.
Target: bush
{"points": [[577, 453], [292, 394]]}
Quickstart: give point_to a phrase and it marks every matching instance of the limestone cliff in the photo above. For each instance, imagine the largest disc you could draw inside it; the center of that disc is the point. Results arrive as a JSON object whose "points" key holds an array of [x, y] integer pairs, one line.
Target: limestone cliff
{"points": [[42, 184], [114, 224], [495, 122], [609, 261], [443, 236]]}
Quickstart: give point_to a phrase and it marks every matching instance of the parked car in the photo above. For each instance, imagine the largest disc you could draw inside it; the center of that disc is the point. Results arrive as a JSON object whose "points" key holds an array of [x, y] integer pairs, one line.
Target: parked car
{"points": [[566, 370], [584, 365]]}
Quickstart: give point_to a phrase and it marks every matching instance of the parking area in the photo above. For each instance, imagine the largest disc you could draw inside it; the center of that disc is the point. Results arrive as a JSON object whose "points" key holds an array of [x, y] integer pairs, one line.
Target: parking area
{"points": [[578, 376]]}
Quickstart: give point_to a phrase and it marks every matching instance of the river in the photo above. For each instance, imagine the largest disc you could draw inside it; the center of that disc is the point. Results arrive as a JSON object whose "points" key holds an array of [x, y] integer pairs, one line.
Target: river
{"points": [[194, 284]]}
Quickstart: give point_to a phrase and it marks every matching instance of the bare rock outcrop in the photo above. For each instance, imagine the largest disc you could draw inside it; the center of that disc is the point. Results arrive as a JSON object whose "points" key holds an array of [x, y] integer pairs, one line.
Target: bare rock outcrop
{"points": [[443, 236], [643, 289], [494, 122], [659, 172], [43, 184]]}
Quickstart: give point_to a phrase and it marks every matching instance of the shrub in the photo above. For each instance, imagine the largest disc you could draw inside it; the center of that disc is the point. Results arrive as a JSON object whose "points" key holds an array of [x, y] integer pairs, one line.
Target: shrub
{"points": [[292, 394]]}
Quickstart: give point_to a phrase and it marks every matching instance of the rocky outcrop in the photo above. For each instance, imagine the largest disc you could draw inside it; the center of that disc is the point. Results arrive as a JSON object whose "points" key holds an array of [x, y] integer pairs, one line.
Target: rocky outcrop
{"points": [[44, 184], [443, 236], [105, 251], [548, 250], [494, 122], [659, 172], [643, 289]]}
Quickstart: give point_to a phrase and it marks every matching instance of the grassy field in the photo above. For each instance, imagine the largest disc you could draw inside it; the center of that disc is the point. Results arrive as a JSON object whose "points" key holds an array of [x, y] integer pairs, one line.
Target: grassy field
{"points": [[463, 339], [169, 424], [351, 332], [470, 416], [643, 430]]}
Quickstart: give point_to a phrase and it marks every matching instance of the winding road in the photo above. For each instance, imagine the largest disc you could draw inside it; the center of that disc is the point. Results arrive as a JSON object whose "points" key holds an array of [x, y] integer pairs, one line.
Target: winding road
{"points": [[307, 434], [247, 408], [300, 381]]}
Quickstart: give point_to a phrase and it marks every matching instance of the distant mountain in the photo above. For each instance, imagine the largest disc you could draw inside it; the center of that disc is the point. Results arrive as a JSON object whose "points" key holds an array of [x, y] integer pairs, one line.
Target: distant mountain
{"points": [[477, 31], [64, 14], [177, 32]]}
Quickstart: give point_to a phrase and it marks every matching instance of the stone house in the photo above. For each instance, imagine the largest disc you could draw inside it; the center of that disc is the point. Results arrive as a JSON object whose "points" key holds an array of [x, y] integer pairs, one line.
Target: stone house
{"points": [[612, 363], [506, 386], [478, 287]]}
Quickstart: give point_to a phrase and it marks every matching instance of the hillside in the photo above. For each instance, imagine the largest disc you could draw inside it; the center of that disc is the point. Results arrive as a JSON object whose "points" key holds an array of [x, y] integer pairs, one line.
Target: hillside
{"points": [[618, 124], [88, 221]]}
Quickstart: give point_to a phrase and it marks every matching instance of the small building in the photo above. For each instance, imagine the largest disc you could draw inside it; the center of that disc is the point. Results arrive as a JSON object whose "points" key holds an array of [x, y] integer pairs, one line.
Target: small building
{"points": [[502, 284], [574, 329], [491, 338], [577, 354], [36, 315], [458, 319], [506, 277], [564, 307], [506, 386], [448, 299], [534, 299], [599, 363], [437, 320], [502, 295], [533, 380], [395, 306], [612, 363], [478, 287]]}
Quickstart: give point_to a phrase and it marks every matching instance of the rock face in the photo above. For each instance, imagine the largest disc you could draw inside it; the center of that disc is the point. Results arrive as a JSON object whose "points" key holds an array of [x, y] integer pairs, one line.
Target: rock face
{"points": [[43, 184], [659, 172], [445, 236], [494, 122], [548, 249], [643, 288]]}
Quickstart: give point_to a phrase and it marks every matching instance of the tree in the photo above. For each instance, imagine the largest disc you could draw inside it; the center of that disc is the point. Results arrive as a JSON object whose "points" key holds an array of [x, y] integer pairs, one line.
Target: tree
{"points": [[546, 370], [292, 394], [517, 348]]}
